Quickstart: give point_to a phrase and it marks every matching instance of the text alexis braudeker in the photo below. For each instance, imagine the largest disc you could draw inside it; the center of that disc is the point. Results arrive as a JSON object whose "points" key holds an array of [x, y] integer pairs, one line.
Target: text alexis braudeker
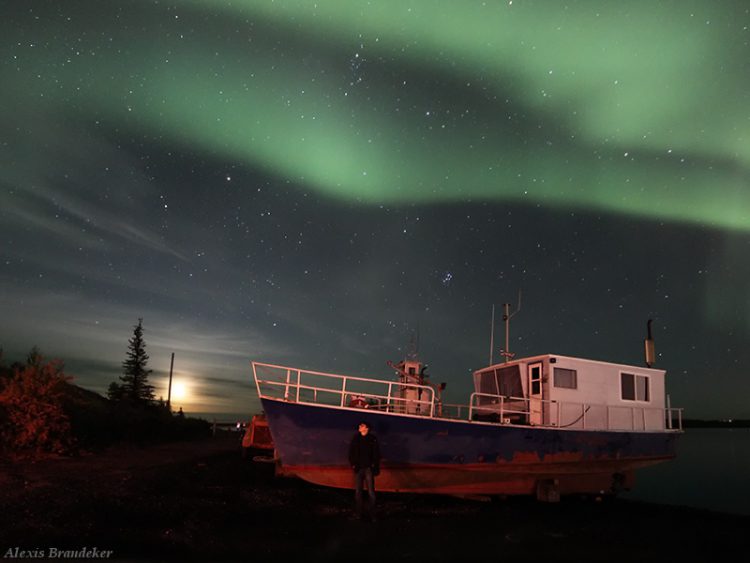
{"points": [[55, 553]]}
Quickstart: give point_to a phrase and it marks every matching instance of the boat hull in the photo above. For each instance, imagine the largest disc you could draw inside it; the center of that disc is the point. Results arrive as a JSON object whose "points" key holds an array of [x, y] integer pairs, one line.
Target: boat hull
{"points": [[430, 455]]}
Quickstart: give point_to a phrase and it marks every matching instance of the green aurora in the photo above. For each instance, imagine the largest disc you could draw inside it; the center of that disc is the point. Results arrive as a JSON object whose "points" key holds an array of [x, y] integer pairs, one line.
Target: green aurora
{"points": [[630, 108]]}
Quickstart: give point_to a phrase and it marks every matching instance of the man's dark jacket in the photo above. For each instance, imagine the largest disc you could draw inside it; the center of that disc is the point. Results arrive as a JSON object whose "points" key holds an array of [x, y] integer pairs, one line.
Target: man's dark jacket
{"points": [[364, 452]]}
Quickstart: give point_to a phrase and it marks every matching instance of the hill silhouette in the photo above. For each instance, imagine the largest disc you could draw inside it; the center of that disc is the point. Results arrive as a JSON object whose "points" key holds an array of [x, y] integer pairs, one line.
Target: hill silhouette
{"points": [[99, 422]]}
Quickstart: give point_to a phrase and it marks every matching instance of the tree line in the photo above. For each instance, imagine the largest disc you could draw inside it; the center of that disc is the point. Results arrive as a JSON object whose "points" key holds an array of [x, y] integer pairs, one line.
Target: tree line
{"points": [[40, 411]]}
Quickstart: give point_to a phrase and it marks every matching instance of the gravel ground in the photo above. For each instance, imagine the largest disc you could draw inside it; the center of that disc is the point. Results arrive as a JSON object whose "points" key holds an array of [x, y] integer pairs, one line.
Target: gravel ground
{"points": [[203, 501]]}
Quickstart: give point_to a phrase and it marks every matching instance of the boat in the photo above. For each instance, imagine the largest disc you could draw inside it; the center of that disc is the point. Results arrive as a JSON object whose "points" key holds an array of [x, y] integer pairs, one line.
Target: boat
{"points": [[545, 425]]}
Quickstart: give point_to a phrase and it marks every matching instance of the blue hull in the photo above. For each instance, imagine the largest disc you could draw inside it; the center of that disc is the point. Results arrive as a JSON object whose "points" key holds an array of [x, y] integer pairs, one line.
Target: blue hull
{"points": [[459, 457]]}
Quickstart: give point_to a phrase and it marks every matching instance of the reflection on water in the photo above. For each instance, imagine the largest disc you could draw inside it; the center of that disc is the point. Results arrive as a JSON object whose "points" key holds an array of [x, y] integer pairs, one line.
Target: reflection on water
{"points": [[712, 470]]}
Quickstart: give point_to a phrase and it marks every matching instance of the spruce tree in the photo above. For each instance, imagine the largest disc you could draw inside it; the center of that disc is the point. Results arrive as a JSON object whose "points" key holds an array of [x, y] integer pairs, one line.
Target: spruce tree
{"points": [[114, 392], [135, 387]]}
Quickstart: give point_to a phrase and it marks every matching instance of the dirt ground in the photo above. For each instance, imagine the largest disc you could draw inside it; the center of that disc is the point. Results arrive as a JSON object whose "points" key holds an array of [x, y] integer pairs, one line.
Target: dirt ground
{"points": [[203, 501]]}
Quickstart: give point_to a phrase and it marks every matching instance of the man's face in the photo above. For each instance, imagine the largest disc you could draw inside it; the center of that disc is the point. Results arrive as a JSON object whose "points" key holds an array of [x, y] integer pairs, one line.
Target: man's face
{"points": [[363, 429]]}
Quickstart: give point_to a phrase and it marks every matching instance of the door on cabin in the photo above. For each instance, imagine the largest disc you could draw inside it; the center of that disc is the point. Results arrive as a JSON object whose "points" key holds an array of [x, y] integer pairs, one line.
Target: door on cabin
{"points": [[536, 410]]}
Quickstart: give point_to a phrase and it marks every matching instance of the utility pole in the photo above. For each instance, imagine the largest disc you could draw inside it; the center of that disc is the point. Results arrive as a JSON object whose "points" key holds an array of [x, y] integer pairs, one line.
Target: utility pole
{"points": [[169, 391]]}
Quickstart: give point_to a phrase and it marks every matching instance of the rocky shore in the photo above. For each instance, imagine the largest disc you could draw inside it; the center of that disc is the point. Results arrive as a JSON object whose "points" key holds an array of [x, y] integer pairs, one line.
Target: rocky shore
{"points": [[204, 501]]}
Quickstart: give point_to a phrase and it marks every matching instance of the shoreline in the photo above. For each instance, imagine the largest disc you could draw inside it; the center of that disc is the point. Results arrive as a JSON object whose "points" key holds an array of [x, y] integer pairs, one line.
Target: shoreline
{"points": [[202, 501]]}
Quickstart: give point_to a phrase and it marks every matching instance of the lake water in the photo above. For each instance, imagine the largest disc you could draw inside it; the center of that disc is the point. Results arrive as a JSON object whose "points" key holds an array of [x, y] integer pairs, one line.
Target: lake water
{"points": [[712, 470]]}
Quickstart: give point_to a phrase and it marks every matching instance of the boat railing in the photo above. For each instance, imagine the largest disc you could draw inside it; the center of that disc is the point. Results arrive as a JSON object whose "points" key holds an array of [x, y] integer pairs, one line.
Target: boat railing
{"points": [[567, 414], [313, 387], [454, 411]]}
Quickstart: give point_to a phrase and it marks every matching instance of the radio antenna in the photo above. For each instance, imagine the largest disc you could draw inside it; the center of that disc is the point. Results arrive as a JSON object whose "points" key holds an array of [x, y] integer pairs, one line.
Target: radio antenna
{"points": [[492, 335], [507, 315]]}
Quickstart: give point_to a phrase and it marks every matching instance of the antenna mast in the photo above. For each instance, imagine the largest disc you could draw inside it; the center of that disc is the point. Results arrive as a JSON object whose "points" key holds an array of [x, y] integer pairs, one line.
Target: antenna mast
{"points": [[507, 315], [492, 334], [413, 353]]}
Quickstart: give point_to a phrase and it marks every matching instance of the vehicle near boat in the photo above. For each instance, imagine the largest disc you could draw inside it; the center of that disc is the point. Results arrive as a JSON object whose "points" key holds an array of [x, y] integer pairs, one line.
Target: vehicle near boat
{"points": [[257, 435], [544, 425]]}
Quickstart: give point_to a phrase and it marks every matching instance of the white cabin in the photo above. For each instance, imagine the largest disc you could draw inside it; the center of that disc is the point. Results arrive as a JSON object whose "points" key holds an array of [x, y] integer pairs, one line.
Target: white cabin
{"points": [[565, 392]]}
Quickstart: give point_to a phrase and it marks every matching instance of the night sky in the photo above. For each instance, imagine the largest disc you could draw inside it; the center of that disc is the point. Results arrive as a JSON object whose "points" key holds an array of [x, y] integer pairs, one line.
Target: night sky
{"points": [[313, 183]]}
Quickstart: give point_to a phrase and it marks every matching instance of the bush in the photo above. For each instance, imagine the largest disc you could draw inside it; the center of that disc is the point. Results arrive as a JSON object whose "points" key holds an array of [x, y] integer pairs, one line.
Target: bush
{"points": [[33, 418]]}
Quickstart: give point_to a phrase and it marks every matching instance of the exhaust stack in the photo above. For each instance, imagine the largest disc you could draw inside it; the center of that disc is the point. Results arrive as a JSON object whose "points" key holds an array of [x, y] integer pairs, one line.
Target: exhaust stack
{"points": [[649, 346]]}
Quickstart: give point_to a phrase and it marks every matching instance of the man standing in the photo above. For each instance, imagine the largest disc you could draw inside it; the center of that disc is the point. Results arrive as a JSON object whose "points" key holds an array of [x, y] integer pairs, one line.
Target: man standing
{"points": [[364, 457]]}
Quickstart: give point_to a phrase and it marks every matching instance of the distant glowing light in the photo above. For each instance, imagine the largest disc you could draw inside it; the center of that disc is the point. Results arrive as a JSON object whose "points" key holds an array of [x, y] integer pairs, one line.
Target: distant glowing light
{"points": [[179, 391]]}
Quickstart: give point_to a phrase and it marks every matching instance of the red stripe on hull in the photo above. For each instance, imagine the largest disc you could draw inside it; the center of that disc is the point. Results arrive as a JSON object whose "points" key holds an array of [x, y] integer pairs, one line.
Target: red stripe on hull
{"points": [[502, 479]]}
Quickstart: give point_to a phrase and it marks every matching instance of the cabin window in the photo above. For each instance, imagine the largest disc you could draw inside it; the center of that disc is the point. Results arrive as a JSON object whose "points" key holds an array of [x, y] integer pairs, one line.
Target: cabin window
{"points": [[565, 378], [509, 381], [634, 387], [504, 381], [487, 383]]}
